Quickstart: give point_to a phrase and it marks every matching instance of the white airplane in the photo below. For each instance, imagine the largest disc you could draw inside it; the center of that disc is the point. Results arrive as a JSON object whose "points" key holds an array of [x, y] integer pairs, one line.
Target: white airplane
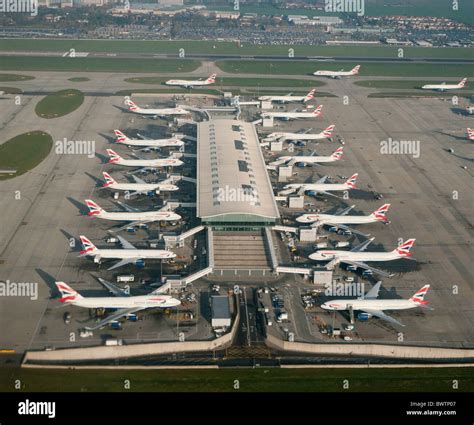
{"points": [[444, 86], [289, 98], [116, 159], [150, 143], [370, 305], [157, 112], [127, 305], [283, 136], [320, 187], [139, 187], [470, 134], [341, 219], [356, 258], [338, 74], [136, 218], [294, 115], [128, 255], [291, 160], [189, 84]]}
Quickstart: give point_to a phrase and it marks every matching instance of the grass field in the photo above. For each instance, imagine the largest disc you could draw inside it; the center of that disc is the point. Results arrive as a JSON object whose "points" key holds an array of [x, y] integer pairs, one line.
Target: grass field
{"points": [[24, 152], [129, 92], [213, 47], [96, 64], [244, 82], [222, 380], [59, 104], [14, 77], [78, 79], [367, 68]]}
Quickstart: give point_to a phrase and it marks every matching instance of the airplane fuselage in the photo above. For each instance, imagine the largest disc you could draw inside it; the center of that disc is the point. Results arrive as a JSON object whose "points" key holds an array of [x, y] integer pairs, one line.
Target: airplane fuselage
{"points": [[164, 162], [327, 255], [346, 304], [139, 216], [324, 187], [159, 143], [144, 187], [141, 301], [158, 254], [336, 219]]}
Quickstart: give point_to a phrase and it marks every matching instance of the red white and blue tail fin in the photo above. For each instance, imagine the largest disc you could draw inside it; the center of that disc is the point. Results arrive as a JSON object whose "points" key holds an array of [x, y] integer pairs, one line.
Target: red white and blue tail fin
{"points": [[318, 110], [351, 181], [132, 106], [88, 246], [109, 181], [419, 297], [355, 70], [327, 132], [462, 83], [114, 156], [309, 96], [404, 249], [337, 154], [381, 213], [120, 137], [470, 134], [211, 79], [67, 293], [94, 209]]}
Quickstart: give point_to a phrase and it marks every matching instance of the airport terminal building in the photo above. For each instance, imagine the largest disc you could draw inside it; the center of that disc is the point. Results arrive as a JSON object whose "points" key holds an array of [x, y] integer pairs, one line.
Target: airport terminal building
{"points": [[234, 191]]}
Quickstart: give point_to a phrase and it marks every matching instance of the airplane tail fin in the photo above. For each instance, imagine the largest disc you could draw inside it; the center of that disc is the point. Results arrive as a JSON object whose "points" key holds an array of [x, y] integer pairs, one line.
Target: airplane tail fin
{"points": [[132, 106], [114, 156], [67, 293], [309, 96], [109, 181], [419, 296], [337, 154], [211, 79], [355, 70], [94, 209], [470, 133], [462, 83], [351, 181], [381, 213], [404, 249], [120, 137], [318, 110], [88, 246], [327, 132]]}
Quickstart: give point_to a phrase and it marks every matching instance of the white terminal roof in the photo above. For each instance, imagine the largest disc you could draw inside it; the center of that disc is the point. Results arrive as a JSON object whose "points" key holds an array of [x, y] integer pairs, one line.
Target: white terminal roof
{"points": [[232, 178]]}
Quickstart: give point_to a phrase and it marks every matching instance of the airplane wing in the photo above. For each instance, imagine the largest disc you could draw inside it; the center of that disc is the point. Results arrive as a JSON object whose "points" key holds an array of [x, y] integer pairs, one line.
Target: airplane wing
{"points": [[382, 315], [132, 224], [367, 267], [162, 289], [128, 207], [323, 192], [363, 246], [333, 263], [138, 180], [322, 179], [113, 317], [142, 169], [114, 289], [350, 229], [124, 262], [125, 244], [374, 292], [345, 211], [304, 131]]}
